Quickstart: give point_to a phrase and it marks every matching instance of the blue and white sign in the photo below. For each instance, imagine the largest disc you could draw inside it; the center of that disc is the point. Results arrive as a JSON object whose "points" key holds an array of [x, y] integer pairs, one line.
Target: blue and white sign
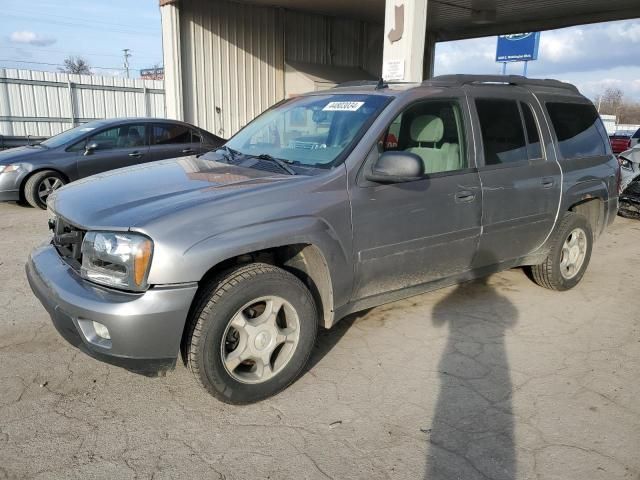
{"points": [[518, 47]]}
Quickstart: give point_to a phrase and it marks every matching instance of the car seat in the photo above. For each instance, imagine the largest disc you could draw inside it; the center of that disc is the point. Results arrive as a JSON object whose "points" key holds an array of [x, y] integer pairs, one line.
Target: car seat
{"points": [[427, 131]]}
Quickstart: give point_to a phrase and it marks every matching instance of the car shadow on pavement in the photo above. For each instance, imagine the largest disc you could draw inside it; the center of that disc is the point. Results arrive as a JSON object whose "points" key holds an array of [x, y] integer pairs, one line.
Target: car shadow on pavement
{"points": [[472, 431]]}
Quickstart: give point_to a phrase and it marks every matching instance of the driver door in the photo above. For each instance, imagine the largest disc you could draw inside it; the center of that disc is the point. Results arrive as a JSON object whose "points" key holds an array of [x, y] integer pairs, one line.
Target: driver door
{"points": [[116, 147], [408, 234]]}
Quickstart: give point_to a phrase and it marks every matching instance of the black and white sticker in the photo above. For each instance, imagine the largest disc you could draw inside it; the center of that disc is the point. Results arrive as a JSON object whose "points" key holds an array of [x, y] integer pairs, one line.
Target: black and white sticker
{"points": [[342, 106]]}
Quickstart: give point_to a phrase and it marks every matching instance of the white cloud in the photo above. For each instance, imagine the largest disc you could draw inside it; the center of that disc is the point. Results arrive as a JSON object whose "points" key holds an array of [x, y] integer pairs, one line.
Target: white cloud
{"points": [[31, 38], [591, 56]]}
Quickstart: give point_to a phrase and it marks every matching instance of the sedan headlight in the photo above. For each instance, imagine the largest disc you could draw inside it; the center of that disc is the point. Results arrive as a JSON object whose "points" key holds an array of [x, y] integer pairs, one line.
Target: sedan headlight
{"points": [[119, 260], [9, 168]]}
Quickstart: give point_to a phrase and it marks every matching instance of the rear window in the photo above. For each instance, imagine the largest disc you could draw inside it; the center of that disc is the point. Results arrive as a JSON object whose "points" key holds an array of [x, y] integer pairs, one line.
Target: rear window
{"points": [[578, 128], [502, 132]]}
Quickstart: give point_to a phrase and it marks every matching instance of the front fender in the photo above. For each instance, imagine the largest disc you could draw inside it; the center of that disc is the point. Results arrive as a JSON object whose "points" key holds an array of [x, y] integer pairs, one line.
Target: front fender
{"points": [[192, 264]]}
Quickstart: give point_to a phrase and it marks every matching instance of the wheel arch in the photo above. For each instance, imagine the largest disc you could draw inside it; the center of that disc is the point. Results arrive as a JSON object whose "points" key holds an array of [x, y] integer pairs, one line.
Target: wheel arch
{"points": [[306, 261], [38, 170]]}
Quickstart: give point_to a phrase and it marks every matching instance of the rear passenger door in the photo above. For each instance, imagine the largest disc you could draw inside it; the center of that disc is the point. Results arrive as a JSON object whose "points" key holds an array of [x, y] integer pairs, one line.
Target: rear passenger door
{"points": [[171, 140], [520, 183]]}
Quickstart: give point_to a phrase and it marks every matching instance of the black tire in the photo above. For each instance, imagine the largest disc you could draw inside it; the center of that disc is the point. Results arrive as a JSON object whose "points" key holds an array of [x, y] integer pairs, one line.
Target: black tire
{"points": [[548, 274], [36, 182], [215, 305]]}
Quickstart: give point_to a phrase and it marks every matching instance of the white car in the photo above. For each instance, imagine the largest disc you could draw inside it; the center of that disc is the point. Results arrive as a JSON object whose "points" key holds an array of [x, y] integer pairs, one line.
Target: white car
{"points": [[630, 182], [635, 139]]}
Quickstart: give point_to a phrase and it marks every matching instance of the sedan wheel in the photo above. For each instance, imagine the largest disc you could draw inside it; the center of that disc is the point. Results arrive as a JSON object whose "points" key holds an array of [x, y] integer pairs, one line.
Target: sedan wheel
{"points": [[40, 186]]}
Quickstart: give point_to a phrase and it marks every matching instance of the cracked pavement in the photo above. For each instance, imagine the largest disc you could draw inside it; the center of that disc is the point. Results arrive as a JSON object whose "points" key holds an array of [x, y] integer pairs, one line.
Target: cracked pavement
{"points": [[496, 379]]}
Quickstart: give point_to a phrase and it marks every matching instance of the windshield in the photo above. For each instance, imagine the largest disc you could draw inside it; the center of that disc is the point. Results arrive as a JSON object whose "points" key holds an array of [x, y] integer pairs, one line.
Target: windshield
{"points": [[310, 131], [69, 136]]}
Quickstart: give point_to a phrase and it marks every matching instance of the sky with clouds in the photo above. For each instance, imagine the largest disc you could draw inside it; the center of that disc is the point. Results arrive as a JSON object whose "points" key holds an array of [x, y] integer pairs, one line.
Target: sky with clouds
{"points": [[592, 56]]}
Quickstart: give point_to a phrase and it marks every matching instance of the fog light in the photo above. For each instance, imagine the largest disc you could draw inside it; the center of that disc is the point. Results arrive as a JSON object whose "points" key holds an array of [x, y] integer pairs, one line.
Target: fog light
{"points": [[101, 331]]}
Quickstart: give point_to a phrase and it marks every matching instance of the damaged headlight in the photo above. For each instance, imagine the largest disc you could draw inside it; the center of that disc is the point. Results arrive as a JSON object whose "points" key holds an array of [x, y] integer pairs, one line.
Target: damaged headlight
{"points": [[119, 260], [624, 163]]}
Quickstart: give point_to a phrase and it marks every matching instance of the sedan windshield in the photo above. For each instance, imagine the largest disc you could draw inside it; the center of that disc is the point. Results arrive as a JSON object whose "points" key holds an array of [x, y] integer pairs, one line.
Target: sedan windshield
{"points": [[69, 136], [311, 131]]}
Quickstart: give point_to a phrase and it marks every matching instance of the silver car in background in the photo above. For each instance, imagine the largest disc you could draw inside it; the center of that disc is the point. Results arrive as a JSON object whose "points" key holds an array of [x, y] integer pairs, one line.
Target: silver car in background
{"points": [[630, 182]]}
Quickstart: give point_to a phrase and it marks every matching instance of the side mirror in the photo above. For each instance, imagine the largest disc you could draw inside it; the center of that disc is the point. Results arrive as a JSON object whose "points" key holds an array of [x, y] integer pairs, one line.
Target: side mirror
{"points": [[90, 148], [396, 167]]}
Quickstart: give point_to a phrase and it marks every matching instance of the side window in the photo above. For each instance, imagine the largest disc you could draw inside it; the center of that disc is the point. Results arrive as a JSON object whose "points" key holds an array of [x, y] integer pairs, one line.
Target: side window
{"points": [[578, 128], [433, 130], [124, 136], [196, 137], [533, 137], [170, 134], [502, 132]]}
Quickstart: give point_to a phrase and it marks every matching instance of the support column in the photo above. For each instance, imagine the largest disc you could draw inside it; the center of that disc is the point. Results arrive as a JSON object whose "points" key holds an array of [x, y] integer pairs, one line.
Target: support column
{"points": [[429, 55], [171, 52], [405, 28]]}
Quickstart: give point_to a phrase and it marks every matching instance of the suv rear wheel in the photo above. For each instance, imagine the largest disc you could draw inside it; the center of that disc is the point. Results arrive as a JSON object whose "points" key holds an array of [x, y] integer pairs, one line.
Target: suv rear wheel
{"points": [[251, 333], [569, 255]]}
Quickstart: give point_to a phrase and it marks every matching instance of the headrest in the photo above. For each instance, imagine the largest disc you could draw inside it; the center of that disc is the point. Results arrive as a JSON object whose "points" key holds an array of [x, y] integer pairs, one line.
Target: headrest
{"points": [[427, 128]]}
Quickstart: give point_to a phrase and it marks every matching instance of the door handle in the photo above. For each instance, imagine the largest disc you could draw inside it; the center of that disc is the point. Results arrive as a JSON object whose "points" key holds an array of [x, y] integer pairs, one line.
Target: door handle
{"points": [[465, 196], [135, 154], [547, 182], [188, 150]]}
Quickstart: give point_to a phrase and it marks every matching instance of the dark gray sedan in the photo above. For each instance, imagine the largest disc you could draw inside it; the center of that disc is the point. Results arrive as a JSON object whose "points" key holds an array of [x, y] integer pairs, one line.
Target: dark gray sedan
{"points": [[33, 172]]}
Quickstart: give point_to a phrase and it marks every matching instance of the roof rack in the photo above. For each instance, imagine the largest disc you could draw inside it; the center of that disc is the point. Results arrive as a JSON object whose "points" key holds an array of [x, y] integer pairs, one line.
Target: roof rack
{"points": [[378, 84], [442, 80]]}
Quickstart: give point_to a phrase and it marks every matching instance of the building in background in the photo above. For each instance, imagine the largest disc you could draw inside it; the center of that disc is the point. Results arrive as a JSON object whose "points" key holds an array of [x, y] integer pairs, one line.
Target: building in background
{"points": [[225, 62]]}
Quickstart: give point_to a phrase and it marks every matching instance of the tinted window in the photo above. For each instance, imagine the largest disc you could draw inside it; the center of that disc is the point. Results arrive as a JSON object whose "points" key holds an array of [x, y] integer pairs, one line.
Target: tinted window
{"points": [[533, 138], [124, 136], [637, 134], [196, 137], [502, 132], [578, 129], [170, 134], [433, 131]]}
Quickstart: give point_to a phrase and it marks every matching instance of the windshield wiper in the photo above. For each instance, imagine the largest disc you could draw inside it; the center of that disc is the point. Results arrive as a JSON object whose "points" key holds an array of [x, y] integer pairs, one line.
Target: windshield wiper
{"points": [[278, 161], [229, 153]]}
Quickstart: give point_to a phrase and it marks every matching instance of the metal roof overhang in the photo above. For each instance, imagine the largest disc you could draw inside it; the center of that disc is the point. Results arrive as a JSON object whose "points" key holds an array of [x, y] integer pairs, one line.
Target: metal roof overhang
{"points": [[452, 19]]}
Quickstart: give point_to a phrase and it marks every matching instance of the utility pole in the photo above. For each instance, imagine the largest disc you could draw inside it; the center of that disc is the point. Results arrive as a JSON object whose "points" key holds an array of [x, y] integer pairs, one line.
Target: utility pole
{"points": [[126, 61]]}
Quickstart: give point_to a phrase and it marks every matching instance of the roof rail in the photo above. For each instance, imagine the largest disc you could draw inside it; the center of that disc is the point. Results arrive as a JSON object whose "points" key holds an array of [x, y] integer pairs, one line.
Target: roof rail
{"points": [[358, 83], [509, 79]]}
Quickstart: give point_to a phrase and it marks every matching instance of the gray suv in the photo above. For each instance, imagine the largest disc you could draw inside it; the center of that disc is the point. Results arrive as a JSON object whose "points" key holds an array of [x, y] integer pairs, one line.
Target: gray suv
{"points": [[326, 204]]}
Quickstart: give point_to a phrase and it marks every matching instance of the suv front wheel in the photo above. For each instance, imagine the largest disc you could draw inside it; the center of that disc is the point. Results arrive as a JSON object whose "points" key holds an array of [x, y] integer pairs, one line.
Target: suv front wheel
{"points": [[568, 256], [251, 333]]}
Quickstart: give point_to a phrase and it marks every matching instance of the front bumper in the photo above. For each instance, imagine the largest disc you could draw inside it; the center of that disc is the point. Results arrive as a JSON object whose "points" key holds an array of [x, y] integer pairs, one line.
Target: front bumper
{"points": [[145, 328], [10, 186]]}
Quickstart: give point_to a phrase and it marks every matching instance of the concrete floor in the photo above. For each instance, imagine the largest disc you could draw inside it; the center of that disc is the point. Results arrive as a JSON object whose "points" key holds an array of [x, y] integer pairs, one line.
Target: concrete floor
{"points": [[489, 380]]}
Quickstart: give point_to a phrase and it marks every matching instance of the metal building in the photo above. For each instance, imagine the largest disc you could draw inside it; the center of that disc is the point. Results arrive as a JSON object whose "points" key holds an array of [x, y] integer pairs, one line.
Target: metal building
{"points": [[227, 61]]}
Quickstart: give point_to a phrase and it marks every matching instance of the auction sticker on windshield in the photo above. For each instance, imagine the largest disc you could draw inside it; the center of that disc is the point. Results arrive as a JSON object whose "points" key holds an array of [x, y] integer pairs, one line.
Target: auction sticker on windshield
{"points": [[342, 106]]}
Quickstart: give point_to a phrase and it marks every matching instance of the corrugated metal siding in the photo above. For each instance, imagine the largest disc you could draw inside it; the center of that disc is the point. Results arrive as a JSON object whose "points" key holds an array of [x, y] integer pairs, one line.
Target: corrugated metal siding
{"points": [[306, 38], [233, 54], [232, 63], [45, 103]]}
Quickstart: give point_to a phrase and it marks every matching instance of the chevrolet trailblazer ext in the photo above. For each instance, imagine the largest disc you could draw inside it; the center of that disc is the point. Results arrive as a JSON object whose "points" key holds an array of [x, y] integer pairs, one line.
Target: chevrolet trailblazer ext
{"points": [[326, 204]]}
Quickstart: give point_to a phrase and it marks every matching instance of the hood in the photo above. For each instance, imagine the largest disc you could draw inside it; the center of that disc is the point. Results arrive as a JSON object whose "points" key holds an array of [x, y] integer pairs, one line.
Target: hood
{"points": [[19, 154], [133, 196]]}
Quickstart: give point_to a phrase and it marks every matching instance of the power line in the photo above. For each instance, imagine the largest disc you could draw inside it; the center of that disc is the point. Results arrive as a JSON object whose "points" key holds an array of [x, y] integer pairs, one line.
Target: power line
{"points": [[61, 65], [92, 26], [86, 54], [27, 14]]}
